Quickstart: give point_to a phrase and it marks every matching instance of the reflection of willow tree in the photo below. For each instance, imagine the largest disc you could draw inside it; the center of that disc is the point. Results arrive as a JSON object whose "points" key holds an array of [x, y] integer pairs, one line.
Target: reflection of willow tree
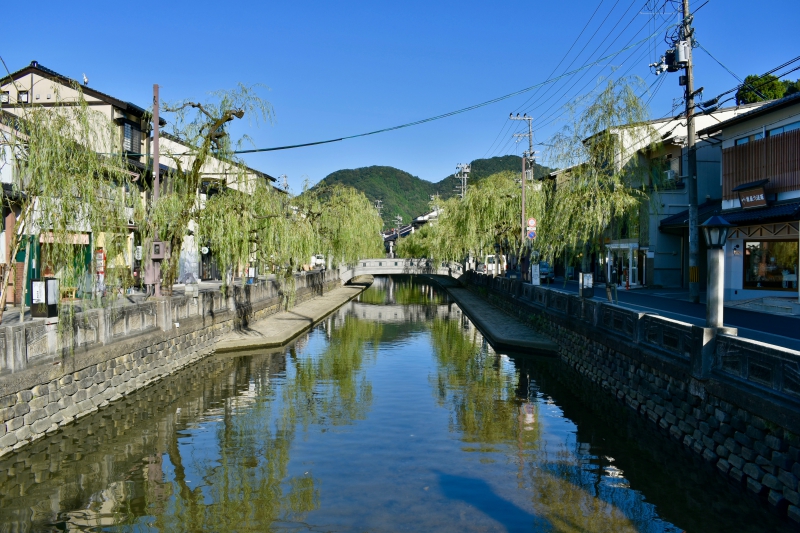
{"points": [[567, 494], [410, 293], [373, 296], [473, 382], [332, 387], [247, 486]]}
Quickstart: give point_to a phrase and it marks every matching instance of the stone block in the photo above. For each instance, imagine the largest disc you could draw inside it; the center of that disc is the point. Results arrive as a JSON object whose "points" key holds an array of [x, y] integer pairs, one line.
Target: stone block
{"points": [[776, 499], [736, 461], [70, 389], [743, 439], [774, 442], [66, 380], [718, 437], [24, 396], [761, 449], [721, 415], [14, 424], [788, 479], [772, 482], [793, 512], [40, 426], [755, 487], [781, 460], [23, 433], [753, 432], [79, 396], [726, 429], [792, 496], [753, 471], [51, 408], [708, 442], [705, 428], [8, 440], [57, 418], [732, 445], [65, 402], [38, 402], [21, 409], [722, 451], [796, 470], [709, 456], [723, 466], [748, 454], [737, 475], [34, 415], [765, 464]]}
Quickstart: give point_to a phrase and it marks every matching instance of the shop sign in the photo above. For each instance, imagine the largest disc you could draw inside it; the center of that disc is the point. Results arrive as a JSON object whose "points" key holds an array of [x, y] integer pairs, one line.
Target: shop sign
{"points": [[752, 198]]}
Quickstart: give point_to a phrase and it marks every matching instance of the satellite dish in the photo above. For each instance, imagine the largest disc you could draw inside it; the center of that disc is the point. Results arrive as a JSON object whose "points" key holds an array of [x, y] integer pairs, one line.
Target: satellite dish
{"points": [[204, 250]]}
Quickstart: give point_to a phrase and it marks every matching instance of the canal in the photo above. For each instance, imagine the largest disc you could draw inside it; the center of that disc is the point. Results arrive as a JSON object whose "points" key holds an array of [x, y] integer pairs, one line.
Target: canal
{"points": [[393, 414]]}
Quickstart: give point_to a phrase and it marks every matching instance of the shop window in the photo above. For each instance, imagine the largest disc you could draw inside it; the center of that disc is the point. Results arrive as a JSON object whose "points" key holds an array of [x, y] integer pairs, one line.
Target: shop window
{"points": [[771, 265]]}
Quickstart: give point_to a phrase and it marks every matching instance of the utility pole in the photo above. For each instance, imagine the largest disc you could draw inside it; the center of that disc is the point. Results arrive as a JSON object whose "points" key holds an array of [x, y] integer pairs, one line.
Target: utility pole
{"points": [[156, 182], [462, 173], [525, 156], [677, 58], [694, 242]]}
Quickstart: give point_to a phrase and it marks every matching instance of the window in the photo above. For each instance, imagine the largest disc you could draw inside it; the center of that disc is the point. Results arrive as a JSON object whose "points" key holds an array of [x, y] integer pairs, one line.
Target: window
{"points": [[784, 129], [770, 265], [131, 139], [22, 97], [743, 140], [5, 97]]}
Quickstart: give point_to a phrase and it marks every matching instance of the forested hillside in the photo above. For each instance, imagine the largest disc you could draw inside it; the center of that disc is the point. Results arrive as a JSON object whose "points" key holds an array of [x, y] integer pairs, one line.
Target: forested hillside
{"points": [[409, 196]]}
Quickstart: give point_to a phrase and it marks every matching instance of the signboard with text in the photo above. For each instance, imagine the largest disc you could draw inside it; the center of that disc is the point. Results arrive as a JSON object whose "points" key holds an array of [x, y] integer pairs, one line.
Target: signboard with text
{"points": [[752, 198]]}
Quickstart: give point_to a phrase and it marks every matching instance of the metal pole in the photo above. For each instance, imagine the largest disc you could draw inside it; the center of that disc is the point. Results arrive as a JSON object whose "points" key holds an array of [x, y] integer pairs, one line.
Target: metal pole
{"points": [[694, 242], [156, 180], [716, 283], [524, 221]]}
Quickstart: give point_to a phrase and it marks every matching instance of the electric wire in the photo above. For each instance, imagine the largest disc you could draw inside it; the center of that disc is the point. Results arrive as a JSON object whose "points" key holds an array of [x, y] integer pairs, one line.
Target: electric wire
{"points": [[551, 73]]}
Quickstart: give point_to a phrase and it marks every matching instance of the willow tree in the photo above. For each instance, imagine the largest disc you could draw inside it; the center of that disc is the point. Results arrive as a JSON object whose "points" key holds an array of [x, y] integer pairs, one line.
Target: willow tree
{"points": [[604, 179], [200, 148], [65, 183]]}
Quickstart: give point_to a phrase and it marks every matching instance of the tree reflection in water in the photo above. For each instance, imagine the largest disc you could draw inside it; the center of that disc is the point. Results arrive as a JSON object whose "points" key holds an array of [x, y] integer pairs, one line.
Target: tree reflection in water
{"points": [[567, 490]]}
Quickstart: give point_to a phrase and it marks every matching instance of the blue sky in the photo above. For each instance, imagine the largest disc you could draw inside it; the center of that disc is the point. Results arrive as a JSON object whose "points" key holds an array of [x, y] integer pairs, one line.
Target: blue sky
{"points": [[343, 68]]}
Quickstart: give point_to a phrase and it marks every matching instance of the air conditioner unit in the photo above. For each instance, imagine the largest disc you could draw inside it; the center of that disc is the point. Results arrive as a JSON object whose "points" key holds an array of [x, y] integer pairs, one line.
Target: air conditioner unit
{"points": [[669, 175]]}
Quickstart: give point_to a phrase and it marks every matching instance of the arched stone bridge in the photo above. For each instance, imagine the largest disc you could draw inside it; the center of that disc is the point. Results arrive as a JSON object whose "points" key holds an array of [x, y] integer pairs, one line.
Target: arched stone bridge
{"points": [[387, 267]]}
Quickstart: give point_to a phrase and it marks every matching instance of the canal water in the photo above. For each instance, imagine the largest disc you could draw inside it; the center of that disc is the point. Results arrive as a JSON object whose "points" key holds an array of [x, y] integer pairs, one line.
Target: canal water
{"points": [[394, 414]]}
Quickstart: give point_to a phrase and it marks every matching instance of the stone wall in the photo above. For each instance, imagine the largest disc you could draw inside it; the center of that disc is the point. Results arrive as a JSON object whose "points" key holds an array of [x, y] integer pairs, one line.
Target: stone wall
{"points": [[732, 401], [51, 375]]}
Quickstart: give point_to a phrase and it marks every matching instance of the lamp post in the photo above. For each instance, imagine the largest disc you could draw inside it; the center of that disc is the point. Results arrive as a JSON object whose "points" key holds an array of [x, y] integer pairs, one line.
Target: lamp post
{"points": [[496, 258], [715, 231]]}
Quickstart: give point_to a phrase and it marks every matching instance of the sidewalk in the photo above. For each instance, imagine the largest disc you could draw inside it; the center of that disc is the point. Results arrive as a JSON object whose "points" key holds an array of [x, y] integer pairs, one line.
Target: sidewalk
{"points": [[280, 328], [753, 323]]}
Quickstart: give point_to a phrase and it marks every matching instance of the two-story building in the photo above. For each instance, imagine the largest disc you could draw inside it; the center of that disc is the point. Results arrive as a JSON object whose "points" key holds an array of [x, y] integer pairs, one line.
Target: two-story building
{"points": [[760, 181], [36, 85]]}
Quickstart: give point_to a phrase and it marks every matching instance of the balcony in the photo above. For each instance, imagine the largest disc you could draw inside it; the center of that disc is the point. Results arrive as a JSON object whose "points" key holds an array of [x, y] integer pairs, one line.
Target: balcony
{"points": [[776, 158]]}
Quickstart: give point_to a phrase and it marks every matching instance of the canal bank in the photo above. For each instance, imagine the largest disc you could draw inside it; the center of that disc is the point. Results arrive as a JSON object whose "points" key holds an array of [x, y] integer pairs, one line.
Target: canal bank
{"points": [[51, 376], [734, 403]]}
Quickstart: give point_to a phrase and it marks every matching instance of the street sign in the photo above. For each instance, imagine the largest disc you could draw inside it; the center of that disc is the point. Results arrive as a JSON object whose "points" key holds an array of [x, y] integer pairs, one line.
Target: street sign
{"points": [[532, 234], [532, 222]]}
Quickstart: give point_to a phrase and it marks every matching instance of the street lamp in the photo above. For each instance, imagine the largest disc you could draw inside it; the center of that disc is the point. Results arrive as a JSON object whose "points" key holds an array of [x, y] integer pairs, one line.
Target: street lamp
{"points": [[715, 231], [496, 258]]}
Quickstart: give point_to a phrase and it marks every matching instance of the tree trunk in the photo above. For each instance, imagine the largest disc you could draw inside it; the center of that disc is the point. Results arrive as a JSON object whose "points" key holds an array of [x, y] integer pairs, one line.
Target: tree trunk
{"points": [[25, 278]]}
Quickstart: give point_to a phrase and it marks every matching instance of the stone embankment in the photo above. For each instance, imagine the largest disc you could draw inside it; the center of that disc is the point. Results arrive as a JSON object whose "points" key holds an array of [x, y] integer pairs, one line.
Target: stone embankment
{"points": [[51, 375], [732, 401]]}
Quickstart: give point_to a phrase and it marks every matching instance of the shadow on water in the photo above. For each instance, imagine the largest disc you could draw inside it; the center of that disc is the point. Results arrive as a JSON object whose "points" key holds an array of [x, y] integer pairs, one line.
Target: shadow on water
{"points": [[478, 494]]}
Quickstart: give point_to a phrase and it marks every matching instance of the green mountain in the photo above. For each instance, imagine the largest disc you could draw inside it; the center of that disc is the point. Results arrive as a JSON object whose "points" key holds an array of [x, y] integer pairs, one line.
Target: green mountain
{"points": [[409, 196]]}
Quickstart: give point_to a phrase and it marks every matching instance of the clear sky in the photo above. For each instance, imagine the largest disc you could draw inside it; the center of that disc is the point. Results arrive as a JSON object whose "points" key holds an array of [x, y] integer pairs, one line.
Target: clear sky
{"points": [[347, 67]]}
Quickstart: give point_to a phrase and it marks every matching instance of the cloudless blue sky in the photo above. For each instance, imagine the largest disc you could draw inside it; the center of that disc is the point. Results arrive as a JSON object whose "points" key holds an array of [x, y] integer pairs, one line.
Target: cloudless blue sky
{"points": [[342, 68]]}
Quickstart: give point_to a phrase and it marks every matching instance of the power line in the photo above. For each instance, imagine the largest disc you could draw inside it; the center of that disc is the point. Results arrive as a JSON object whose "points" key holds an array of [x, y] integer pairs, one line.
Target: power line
{"points": [[450, 113]]}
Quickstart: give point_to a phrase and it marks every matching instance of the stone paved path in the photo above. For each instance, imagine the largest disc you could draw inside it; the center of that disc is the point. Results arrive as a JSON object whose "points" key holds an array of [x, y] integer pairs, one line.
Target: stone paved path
{"points": [[280, 328], [503, 331]]}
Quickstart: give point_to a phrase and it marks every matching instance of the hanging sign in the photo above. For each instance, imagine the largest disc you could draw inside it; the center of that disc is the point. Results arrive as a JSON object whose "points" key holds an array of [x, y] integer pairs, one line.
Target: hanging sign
{"points": [[752, 198]]}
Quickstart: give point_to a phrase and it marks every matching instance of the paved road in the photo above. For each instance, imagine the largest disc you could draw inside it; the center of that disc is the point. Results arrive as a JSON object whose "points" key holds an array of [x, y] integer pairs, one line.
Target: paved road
{"points": [[782, 330]]}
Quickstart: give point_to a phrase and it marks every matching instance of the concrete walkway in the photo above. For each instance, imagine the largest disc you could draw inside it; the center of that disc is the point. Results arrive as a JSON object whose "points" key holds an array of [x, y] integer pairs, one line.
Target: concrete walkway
{"points": [[503, 331], [280, 328]]}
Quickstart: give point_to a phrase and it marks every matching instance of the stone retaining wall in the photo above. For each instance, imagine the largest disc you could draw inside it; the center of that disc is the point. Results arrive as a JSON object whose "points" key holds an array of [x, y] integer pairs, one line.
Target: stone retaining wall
{"points": [[105, 354], [732, 401]]}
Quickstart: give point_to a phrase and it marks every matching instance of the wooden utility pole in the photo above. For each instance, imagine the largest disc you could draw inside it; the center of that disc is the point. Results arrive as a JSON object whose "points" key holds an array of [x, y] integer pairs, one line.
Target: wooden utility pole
{"points": [[694, 242]]}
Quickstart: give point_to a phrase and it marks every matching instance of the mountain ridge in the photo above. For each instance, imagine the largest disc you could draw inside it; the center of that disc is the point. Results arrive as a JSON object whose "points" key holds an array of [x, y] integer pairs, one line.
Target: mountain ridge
{"points": [[409, 196]]}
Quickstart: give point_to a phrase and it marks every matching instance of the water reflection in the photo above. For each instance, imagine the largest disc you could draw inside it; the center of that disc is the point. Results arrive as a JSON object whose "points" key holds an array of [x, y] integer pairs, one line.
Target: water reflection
{"points": [[395, 413]]}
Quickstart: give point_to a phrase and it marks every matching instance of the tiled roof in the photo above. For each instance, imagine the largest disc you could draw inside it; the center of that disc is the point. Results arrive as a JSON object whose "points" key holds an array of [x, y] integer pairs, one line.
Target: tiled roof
{"points": [[774, 213]]}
